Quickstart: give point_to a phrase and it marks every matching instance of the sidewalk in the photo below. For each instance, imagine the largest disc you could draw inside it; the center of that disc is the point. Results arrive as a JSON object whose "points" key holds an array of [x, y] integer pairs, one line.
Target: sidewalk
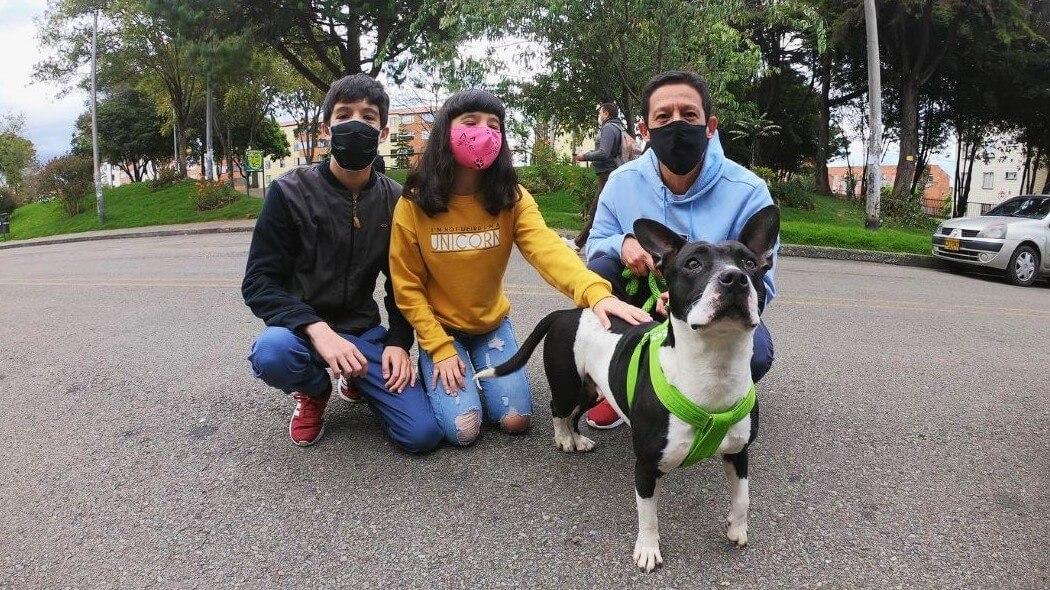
{"points": [[246, 225], [184, 229]]}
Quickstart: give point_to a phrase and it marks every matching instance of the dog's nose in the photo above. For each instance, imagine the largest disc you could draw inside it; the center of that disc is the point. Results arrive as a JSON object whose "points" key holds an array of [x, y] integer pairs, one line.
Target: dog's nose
{"points": [[732, 278]]}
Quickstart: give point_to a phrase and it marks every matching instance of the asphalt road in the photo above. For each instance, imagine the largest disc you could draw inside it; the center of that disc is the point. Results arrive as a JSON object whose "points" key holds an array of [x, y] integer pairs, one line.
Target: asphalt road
{"points": [[903, 445]]}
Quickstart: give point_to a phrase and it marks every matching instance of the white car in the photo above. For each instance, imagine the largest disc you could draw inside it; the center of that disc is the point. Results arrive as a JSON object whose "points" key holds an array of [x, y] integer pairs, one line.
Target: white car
{"points": [[1014, 238]]}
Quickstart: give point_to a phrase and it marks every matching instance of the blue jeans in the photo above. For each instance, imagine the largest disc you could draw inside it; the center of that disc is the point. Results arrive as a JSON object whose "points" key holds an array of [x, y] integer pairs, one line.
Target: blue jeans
{"points": [[610, 267], [285, 360], [506, 400]]}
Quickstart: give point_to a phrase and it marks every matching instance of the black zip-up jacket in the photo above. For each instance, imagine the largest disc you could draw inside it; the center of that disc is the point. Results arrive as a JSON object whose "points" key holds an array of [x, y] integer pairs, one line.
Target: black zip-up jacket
{"points": [[308, 262]]}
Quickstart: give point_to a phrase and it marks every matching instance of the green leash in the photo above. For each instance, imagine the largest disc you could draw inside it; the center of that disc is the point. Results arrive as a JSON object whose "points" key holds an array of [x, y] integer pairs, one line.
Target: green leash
{"points": [[711, 428], [657, 286]]}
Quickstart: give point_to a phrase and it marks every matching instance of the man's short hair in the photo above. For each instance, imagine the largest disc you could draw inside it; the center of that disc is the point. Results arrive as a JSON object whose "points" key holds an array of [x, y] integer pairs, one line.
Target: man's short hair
{"points": [[354, 88], [610, 109], [677, 77]]}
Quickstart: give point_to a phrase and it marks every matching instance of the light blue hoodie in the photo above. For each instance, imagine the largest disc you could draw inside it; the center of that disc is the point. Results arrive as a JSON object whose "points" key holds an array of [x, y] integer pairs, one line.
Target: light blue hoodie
{"points": [[714, 209]]}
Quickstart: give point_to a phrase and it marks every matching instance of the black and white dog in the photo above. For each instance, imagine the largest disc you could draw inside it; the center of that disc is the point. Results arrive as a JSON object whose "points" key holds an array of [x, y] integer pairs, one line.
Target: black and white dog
{"points": [[714, 291]]}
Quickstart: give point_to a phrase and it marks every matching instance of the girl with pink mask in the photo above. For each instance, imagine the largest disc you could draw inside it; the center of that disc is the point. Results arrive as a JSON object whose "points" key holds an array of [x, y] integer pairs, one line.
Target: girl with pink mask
{"points": [[453, 229]]}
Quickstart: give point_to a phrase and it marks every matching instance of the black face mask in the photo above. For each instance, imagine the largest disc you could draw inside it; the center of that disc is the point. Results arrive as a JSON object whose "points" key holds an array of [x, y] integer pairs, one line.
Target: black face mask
{"points": [[679, 145], [355, 144]]}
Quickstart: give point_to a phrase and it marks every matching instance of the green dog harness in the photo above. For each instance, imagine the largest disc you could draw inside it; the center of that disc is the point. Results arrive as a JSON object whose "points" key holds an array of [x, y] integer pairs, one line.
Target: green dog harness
{"points": [[656, 285], [710, 428]]}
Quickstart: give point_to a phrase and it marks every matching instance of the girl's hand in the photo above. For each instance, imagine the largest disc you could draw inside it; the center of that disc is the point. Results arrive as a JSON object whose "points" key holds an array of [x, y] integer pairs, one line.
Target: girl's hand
{"points": [[450, 373], [625, 311]]}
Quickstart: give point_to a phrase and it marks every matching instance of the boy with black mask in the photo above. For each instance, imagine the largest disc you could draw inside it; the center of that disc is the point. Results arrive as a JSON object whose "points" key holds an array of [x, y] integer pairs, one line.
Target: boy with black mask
{"points": [[319, 244]]}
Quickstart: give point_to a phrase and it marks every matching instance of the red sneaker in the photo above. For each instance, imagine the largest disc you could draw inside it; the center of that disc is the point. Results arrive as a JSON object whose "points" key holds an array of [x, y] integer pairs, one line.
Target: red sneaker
{"points": [[603, 416], [307, 423], [348, 391]]}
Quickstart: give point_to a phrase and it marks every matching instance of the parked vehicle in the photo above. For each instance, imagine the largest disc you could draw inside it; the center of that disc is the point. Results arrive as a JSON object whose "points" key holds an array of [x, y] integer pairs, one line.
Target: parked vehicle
{"points": [[1014, 238]]}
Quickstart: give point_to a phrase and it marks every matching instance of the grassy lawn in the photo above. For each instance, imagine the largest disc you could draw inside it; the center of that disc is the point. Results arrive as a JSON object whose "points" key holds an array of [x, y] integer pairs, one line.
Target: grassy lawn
{"points": [[131, 205], [833, 222]]}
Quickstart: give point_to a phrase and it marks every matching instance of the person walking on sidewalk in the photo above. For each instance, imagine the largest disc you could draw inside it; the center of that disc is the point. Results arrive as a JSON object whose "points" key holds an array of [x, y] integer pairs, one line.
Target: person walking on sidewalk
{"points": [[319, 244], [604, 158]]}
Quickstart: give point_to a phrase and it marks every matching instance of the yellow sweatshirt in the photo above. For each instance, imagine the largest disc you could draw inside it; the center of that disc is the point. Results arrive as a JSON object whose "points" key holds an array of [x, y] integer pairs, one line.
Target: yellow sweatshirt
{"points": [[448, 269]]}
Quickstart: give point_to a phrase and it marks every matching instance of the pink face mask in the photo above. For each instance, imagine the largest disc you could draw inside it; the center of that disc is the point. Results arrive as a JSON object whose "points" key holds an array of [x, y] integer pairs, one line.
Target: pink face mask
{"points": [[475, 147]]}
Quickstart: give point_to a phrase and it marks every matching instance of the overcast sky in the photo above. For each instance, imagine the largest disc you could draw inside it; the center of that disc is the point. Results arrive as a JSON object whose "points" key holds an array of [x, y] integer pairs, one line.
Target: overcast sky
{"points": [[48, 119]]}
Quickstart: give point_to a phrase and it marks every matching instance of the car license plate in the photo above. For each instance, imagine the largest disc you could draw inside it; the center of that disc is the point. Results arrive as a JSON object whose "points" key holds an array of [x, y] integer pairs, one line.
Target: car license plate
{"points": [[951, 244]]}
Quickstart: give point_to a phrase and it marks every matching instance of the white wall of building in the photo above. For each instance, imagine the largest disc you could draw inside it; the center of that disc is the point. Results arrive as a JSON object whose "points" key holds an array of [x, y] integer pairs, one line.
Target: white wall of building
{"points": [[998, 179]]}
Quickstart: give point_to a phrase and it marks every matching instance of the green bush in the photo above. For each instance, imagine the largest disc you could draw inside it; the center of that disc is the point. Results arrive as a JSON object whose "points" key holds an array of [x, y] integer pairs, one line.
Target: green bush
{"points": [[212, 195], [548, 174], [69, 179], [165, 178], [793, 194], [766, 174], [907, 211], [7, 200]]}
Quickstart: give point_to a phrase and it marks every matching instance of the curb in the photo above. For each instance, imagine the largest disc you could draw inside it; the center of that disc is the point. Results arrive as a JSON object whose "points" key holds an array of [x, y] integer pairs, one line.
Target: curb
{"points": [[899, 259], [156, 233], [794, 250]]}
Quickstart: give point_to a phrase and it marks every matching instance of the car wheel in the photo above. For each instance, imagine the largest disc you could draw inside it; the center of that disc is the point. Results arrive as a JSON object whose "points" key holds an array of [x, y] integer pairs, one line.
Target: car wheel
{"points": [[1024, 266]]}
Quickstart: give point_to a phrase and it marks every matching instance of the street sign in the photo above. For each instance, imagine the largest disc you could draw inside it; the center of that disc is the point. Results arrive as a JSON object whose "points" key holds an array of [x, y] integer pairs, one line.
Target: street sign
{"points": [[253, 160]]}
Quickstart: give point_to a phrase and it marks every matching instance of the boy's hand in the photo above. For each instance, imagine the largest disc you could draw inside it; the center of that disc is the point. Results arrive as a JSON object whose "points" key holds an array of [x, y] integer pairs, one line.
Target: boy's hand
{"points": [[342, 357], [397, 369]]}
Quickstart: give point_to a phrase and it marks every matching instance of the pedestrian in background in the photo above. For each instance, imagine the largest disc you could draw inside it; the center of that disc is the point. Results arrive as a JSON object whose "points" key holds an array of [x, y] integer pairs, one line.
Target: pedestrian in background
{"points": [[604, 158]]}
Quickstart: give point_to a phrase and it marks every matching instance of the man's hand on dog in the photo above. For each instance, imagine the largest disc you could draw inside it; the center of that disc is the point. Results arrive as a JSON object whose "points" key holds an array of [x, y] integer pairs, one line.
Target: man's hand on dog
{"points": [[625, 311], [397, 369], [635, 257], [342, 357], [450, 373]]}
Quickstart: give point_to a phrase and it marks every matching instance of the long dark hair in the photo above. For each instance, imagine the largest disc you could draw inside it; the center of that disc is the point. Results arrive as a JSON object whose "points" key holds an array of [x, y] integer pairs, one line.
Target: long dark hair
{"points": [[430, 181]]}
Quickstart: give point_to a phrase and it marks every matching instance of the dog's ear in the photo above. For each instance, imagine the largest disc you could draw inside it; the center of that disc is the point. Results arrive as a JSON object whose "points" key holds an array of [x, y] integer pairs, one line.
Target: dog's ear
{"points": [[658, 240], [760, 233]]}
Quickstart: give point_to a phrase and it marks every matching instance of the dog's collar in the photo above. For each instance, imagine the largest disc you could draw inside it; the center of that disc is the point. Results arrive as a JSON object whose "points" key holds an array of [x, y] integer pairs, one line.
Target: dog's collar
{"points": [[710, 428]]}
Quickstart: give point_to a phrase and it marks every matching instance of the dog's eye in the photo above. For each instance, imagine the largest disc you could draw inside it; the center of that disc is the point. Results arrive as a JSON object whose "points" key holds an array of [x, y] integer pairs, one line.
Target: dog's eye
{"points": [[749, 264], [692, 264]]}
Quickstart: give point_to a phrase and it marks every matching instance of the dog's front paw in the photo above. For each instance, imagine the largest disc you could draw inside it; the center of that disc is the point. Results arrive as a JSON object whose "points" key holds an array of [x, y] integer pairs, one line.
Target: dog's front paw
{"points": [[647, 554], [736, 531], [573, 442]]}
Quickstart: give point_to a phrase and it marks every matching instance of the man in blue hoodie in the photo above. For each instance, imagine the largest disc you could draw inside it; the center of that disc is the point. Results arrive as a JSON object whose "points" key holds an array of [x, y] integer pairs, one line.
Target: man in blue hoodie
{"points": [[685, 182]]}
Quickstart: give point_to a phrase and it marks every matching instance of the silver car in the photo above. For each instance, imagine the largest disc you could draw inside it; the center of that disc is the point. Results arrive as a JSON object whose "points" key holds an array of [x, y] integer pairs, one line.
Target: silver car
{"points": [[1014, 238]]}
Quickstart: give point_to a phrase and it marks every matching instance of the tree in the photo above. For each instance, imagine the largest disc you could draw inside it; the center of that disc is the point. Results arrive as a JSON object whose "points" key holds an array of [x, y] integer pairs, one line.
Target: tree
{"points": [[129, 132], [605, 50], [752, 129], [69, 178], [135, 46], [17, 152], [303, 101], [916, 37], [325, 40]]}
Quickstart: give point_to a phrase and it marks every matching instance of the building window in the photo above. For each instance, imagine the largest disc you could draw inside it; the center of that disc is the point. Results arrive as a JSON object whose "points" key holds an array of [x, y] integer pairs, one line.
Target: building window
{"points": [[426, 135], [988, 180], [986, 207], [1011, 176], [428, 118], [394, 121]]}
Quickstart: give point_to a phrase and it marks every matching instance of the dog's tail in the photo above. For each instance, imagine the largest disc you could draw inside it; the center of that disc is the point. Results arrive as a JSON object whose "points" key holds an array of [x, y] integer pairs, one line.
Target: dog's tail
{"points": [[524, 352]]}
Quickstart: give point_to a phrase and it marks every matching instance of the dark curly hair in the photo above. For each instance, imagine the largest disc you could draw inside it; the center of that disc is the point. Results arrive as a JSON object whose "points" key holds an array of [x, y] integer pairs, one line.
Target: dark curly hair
{"points": [[430, 181]]}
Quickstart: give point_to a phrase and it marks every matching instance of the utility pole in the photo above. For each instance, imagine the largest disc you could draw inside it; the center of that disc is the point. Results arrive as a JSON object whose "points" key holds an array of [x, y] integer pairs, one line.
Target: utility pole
{"points": [[871, 209], [175, 137], [100, 203], [209, 155]]}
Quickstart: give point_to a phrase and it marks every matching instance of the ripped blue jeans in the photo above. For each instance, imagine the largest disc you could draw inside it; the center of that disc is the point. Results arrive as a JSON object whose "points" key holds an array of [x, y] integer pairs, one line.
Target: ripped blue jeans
{"points": [[506, 401]]}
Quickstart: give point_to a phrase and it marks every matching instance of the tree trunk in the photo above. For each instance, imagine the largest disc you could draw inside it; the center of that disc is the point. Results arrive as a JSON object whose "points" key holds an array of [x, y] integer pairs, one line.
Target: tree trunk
{"points": [[1035, 169], [964, 197], [821, 183], [909, 138], [1024, 170], [958, 160]]}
